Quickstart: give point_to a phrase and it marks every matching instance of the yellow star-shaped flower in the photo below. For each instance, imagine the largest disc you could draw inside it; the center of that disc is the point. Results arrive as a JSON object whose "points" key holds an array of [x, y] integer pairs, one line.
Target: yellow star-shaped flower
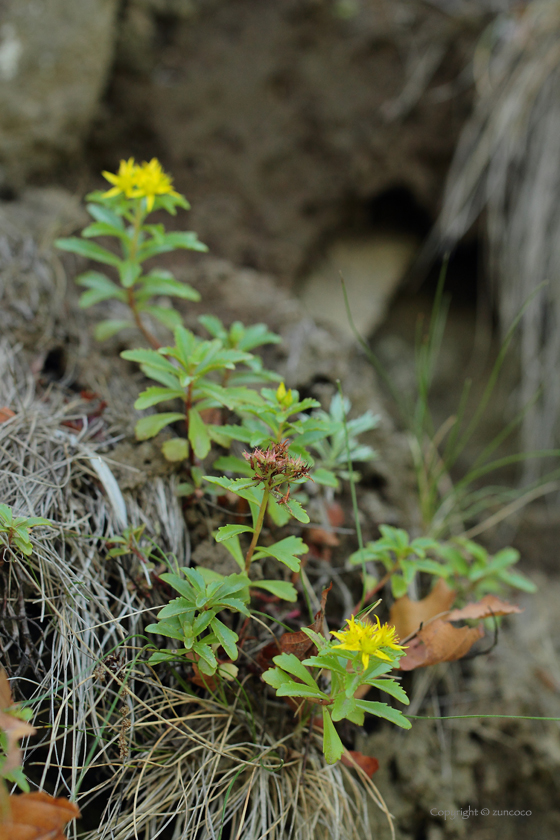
{"points": [[151, 180], [125, 181], [369, 639]]}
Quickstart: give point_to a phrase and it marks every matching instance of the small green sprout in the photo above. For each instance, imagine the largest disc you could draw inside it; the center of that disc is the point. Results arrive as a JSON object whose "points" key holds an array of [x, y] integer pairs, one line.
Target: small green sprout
{"points": [[332, 451], [195, 612], [465, 565], [401, 558], [471, 569], [16, 529]]}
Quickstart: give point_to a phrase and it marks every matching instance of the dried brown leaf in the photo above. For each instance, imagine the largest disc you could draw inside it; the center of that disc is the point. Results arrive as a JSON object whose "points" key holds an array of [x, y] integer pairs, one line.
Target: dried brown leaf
{"points": [[487, 606], [320, 536], [37, 816], [6, 414], [407, 615], [439, 641], [367, 763]]}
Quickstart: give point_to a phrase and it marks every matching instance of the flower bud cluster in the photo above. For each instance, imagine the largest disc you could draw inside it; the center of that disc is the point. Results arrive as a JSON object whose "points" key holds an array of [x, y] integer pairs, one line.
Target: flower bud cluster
{"points": [[274, 466]]}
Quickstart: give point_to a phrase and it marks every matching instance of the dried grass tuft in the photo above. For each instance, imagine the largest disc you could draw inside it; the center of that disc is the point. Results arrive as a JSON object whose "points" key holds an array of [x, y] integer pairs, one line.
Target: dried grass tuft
{"points": [[150, 759], [508, 164]]}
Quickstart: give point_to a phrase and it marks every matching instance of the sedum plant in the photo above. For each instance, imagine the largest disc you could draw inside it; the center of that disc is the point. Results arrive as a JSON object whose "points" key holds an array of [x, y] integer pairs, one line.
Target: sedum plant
{"points": [[183, 371], [120, 213], [194, 613], [332, 452], [358, 656], [465, 565], [292, 441]]}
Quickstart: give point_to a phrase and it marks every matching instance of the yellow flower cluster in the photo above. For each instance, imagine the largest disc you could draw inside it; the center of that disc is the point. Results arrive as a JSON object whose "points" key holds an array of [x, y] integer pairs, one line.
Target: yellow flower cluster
{"points": [[140, 181], [369, 639]]}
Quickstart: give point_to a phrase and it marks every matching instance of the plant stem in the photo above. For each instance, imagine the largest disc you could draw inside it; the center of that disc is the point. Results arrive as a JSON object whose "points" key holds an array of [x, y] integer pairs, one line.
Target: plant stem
{"points": [[151, 339], [137, 223], [258, 528], [188, 406]]}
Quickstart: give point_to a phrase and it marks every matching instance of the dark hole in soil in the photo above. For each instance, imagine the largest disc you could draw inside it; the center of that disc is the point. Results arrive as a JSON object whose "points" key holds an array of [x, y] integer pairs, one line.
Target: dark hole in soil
{"points": [[398, 209], [54, 366]]}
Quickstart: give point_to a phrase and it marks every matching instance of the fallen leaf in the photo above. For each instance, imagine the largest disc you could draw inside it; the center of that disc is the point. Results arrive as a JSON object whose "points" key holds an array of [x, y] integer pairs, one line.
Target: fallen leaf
{"points": [[407, 615], [487, 606], [37, 816], [320, 536], [335, 512], [439, 641], [14, 727], [6, 414], [367, 763]]}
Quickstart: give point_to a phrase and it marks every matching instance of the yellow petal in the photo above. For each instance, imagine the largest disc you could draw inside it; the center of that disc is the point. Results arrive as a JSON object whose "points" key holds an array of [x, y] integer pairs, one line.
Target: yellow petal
{"points": [[110, 193], [109, 176]]}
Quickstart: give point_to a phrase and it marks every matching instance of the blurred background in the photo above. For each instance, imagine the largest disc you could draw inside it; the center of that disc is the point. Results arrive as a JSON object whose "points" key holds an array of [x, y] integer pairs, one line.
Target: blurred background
{"points": [[315, 138]]}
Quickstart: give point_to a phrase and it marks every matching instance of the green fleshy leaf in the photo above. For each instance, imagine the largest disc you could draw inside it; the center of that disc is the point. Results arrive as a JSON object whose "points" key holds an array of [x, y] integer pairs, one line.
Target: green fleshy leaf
{"points": [[150, 358], [109, 328], [228, 639], [290, 663], [185, 489], [297, 511], [167, 316], [103, 229], [382, 710], [100, 288], [280, 588], [170, 627], [391, 687], [163, 656], [279, 514], [343, 707], [207, 658], [276, 678], [176, 449], [162, 282], [233, 546], [228, 531], [154, 395], [285, 551], [198, 434], [294, 689], [398, 586], [148, 427], [332, 745], [231, 463], [518, 581], [90, 250], [325, 477], [103, 214]]}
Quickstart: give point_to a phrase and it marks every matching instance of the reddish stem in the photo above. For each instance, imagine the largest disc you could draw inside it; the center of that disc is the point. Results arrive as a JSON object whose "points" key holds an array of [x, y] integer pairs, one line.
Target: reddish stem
{"points": [[151, 339]]}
